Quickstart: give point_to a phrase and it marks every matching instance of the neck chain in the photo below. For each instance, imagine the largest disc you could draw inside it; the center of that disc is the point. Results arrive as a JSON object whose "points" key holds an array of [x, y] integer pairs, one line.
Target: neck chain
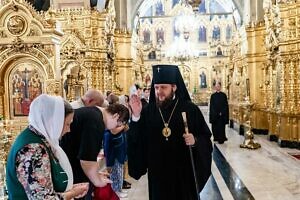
{"points": [[167, 131]]}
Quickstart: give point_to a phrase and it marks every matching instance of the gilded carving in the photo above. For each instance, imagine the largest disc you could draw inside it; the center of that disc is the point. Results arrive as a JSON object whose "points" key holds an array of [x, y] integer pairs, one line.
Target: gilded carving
{"points": [[3, 34], [282, 72], [16, 25], [79, 35], [49, 71], [75, 80], [93, 45], [46, 49], [18, 43], [2, 90], [2, 48], [34, 32], [54, 88], [31, 51]]}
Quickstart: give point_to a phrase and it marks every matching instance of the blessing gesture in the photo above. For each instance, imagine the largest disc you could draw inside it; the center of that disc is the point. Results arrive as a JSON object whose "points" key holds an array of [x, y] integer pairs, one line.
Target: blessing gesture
{"points": [[135, 105]]}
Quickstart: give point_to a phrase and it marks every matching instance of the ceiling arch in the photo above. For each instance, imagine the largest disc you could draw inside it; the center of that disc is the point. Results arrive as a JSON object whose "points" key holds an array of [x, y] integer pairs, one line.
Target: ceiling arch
{"points": [[235, 6]]}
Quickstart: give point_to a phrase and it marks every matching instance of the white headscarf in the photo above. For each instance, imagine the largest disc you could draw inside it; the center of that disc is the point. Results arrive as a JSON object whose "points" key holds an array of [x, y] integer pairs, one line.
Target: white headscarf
{"points": [[47, 115]]}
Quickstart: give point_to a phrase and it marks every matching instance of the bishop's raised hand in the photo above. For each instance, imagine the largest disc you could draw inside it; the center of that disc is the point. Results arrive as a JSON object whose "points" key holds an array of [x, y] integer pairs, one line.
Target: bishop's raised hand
{"points": [[135, 105]]}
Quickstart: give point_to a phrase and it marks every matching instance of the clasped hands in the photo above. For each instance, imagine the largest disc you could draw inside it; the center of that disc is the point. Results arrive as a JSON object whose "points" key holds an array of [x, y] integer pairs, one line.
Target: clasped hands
{"points": [[80, 189]]}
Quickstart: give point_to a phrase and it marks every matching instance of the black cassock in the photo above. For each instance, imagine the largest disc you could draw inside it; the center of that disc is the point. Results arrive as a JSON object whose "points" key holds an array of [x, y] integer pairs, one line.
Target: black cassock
{"points": [[218, 115], [167, 162]]}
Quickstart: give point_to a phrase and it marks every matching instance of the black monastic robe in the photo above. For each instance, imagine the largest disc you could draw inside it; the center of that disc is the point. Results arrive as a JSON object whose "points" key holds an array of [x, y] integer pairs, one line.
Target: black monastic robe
{"points": [[218, 115], [167, 162]]}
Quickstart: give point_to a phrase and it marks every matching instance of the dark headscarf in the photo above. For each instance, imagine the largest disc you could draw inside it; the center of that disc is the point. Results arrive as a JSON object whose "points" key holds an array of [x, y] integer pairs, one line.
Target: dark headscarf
{"points": [[168, 74]]}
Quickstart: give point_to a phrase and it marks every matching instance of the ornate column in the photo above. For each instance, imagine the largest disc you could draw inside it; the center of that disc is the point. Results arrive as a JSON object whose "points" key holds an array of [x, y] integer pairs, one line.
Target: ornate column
{"points": [[124, 62]]}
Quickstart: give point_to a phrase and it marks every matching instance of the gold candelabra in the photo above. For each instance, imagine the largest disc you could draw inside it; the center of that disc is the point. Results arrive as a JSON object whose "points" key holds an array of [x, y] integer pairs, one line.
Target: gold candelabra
{"points": [[249, 135]]}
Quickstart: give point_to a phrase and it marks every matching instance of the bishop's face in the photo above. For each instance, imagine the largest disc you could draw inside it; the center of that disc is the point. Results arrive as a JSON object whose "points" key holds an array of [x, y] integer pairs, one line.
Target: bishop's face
{"points": [[164, 92]]}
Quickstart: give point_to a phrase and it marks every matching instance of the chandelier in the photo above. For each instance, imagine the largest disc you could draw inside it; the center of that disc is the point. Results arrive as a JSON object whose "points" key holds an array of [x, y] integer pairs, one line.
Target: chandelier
{"points": [[182, 49], [195, 4]]}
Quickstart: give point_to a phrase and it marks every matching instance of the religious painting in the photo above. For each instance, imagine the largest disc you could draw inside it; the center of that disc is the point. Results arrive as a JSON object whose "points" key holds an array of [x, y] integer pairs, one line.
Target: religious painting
{"points": [[228, 32], [174, 2], [152, 55], [203, 83], [219, 51], [160, 36], [26, 84], [159, 9], [176, 32], [216, 33], [202, 8], [147, 36], [186, 75], [202, 34]]}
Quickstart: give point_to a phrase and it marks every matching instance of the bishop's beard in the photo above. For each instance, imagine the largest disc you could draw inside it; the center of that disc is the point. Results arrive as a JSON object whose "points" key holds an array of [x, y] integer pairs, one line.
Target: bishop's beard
{"points": [[165, 103]]}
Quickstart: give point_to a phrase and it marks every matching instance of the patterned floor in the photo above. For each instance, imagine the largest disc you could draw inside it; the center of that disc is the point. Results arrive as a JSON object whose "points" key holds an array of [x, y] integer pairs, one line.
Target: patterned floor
{"points": [[268, 173]]}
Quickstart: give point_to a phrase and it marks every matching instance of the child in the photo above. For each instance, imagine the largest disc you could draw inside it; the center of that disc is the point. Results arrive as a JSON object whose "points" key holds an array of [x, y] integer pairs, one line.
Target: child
{"points": [[115, 146]]}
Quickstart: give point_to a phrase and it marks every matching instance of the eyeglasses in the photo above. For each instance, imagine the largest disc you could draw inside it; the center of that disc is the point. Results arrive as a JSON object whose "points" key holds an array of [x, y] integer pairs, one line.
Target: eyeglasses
{"points": [[124, 124], [119, 123]]}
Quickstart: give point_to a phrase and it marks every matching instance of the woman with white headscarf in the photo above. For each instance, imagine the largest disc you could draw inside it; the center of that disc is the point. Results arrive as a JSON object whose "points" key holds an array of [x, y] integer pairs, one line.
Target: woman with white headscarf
{"points": [[37, 168]]}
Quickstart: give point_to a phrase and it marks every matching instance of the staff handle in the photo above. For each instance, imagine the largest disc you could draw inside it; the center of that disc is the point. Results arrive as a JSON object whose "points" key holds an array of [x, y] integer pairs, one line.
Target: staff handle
{"points": [[186, 129]]}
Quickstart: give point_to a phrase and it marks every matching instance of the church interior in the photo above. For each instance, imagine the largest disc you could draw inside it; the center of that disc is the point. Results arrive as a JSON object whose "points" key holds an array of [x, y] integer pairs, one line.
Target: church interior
{"points": [[252, 47]]}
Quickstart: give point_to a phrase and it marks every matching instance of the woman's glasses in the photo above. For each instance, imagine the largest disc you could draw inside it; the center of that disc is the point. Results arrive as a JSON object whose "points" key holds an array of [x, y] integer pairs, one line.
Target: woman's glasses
{"points": [[125, 124], [119, 123]]}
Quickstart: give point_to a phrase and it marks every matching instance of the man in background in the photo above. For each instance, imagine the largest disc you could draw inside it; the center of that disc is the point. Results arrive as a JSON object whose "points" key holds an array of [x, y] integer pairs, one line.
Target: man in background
{"points": [[91, 98], [218, 114], [145, 96]]}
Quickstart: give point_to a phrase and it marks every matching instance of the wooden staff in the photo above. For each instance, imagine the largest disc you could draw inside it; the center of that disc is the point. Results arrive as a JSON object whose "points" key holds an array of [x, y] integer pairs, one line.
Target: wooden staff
{"points": [[186, 128]]}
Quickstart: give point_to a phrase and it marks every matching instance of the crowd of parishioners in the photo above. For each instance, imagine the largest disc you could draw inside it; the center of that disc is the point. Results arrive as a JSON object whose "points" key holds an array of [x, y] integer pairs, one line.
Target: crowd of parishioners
{"points": [[58, 156], [61, 155]]}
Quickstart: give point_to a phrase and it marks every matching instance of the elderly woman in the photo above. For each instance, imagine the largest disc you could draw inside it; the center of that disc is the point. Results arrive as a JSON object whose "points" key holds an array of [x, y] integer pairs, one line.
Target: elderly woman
{"points": [[37, 168]]}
